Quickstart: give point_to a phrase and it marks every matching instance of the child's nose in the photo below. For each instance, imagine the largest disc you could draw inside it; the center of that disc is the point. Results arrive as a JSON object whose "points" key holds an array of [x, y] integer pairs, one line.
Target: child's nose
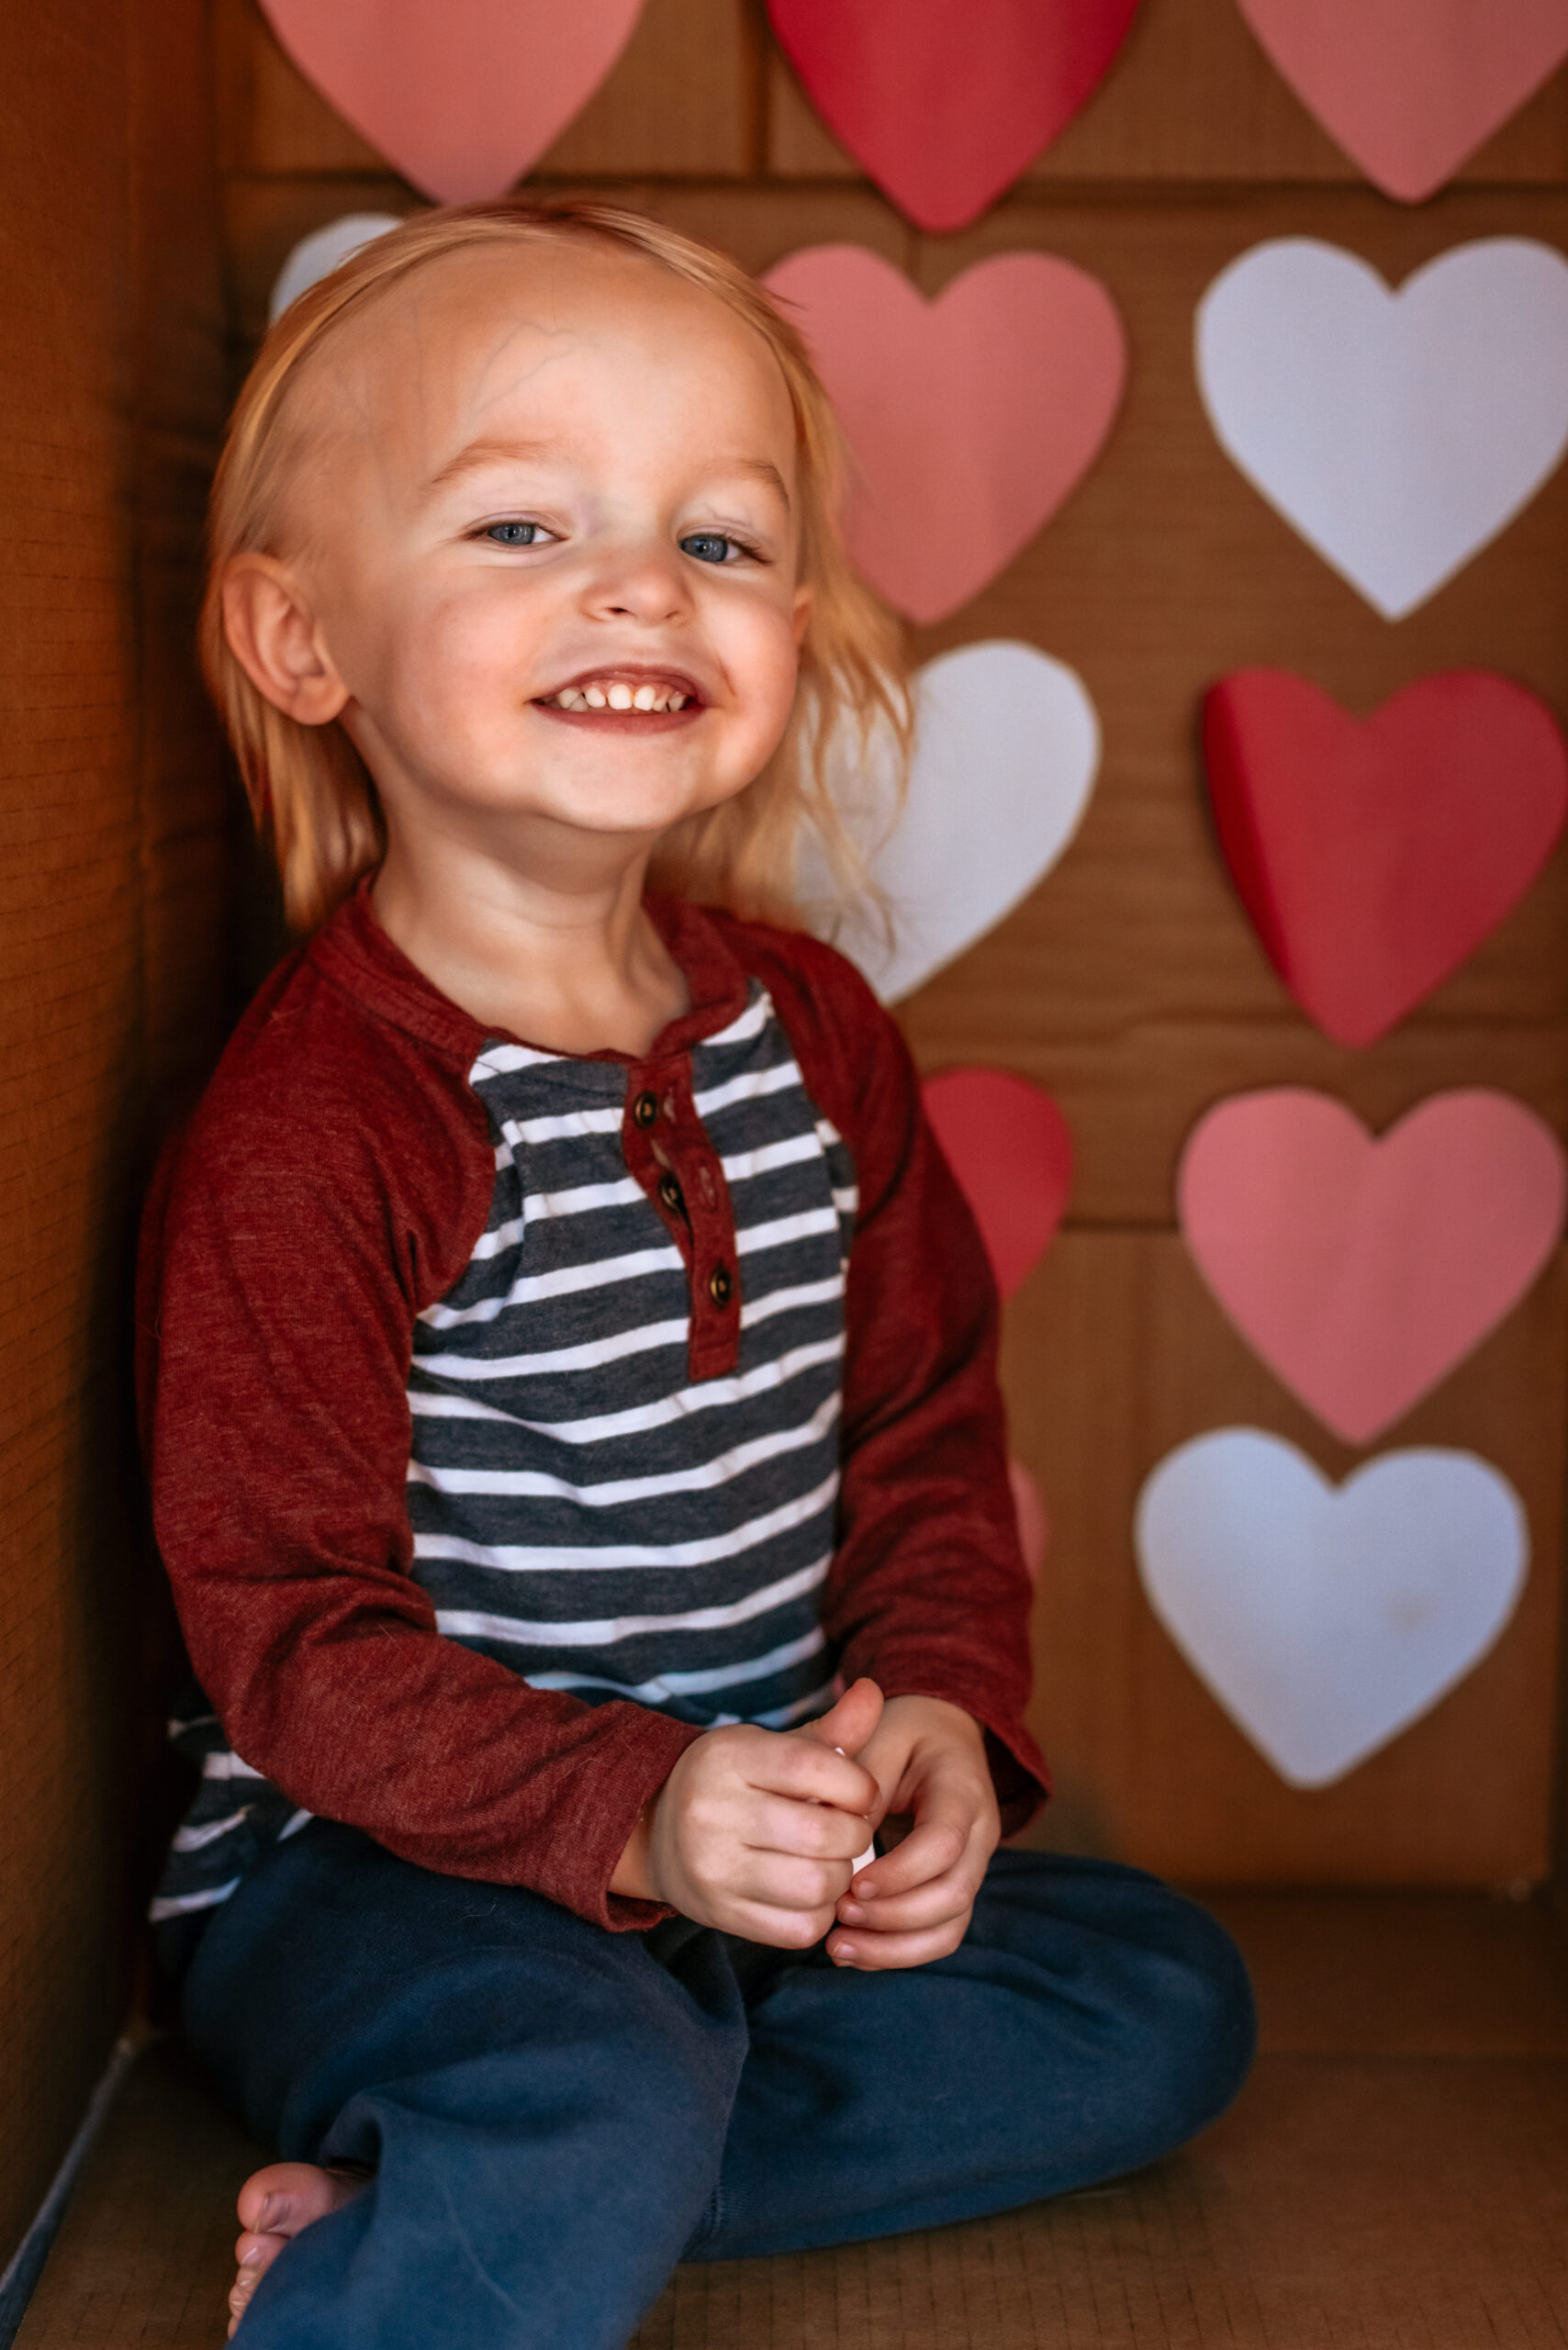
{"points": [[645, 583]]}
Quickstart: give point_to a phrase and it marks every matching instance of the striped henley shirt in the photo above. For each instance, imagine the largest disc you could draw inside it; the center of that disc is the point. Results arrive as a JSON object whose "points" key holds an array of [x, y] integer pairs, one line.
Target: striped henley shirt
{"points": [[513, 1417]]}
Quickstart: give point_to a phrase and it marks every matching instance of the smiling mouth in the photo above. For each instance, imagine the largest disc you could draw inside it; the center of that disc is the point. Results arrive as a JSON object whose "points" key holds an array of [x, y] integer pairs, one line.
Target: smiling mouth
{"points": [[623, 693]]}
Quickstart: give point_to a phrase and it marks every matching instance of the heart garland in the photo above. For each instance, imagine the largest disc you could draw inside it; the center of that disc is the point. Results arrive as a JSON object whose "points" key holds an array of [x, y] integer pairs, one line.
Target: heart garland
{"points": [[1374, 857], [1360, 1268], [943, 107], [1011, 1150], [970, 418], [1325, 1619], [1411, 88], [462, 99]]}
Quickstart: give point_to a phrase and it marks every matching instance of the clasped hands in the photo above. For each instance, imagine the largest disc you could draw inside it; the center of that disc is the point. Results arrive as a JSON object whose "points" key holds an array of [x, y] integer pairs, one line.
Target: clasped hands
{"points": [[756, 1831]]}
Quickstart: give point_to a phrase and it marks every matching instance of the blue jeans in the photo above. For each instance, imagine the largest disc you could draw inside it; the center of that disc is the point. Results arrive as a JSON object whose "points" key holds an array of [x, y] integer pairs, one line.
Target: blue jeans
{"points": [[556, 2115]]}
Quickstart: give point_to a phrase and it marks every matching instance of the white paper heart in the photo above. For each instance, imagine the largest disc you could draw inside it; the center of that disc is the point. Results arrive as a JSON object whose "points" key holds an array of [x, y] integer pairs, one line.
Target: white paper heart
{"points": [[1327, 1619], [1397, 432], [1007, 746], [314, 255]]}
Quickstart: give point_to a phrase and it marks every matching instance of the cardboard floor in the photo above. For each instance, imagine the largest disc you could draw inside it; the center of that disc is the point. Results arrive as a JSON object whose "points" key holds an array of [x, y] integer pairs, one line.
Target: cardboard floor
{"points": [[1394, 2178]]}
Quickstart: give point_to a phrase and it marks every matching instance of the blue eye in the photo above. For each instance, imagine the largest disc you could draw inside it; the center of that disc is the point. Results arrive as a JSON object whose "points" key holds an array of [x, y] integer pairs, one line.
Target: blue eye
{"points": [[516, 535], [711, 546]]}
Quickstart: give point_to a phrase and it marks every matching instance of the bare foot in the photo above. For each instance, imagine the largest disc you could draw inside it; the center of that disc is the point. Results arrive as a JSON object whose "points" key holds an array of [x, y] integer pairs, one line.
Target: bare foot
{"points": [[274, 2204]]}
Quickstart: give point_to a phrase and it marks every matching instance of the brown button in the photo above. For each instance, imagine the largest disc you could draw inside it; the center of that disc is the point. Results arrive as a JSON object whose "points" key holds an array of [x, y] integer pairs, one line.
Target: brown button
{"points": [[645, 1109], [670, 1193], [720, 1285]]}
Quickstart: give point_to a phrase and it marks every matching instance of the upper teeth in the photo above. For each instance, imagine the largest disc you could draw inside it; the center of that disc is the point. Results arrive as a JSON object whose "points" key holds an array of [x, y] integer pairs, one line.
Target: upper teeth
{"points": [[618, 695]]}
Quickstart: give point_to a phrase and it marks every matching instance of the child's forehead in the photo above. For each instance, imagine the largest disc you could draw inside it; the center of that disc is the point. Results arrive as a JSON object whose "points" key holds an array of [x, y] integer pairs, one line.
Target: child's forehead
{"points": [[446, 348]]}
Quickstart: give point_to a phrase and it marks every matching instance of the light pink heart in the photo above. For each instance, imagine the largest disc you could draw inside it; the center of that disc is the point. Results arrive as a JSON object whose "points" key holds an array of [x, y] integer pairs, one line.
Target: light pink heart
{"points": [[1410, 88], [968, 418], [1363, 1270], [462, 97]]}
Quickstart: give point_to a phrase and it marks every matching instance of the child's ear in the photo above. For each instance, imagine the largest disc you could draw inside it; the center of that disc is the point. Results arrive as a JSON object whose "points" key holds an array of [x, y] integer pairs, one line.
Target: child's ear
{"points": [[274, 636], [802, 614]]}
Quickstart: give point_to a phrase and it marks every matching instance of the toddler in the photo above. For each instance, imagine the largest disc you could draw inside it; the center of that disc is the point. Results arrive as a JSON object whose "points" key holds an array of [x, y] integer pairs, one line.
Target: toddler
{"points": [[568, 1372]]}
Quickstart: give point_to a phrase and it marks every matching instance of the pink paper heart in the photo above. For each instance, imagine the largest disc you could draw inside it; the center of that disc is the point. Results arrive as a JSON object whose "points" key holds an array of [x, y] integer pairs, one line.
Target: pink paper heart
{"points": [[463, 98], [1011, 1150], [945, 106], [1410, 88], [968, 418], [1363, 1270]]}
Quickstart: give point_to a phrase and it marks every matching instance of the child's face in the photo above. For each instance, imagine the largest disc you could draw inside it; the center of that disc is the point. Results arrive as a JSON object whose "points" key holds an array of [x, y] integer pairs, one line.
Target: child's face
{"points": [[550, 481]]}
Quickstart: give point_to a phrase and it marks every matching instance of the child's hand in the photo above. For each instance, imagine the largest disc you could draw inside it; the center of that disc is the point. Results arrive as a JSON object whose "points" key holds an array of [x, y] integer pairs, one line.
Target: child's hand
{"points": [[756, 1831], [913, 1903]]}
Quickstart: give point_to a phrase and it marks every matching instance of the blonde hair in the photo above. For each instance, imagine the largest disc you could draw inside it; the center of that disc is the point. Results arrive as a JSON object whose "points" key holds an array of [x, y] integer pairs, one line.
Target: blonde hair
{"points": [[310, 791]]}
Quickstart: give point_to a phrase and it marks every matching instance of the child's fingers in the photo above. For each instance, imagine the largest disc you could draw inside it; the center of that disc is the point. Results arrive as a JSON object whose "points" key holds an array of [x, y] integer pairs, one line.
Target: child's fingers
{"points": [[783, 1764], [930, 1904], [937, 1843], [779, 1880], [871, 1953], [813, 1831]]}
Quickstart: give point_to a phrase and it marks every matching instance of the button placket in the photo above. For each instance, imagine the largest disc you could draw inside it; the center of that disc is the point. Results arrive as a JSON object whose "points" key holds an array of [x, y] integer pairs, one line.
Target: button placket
{"points": [[669, 1154]]}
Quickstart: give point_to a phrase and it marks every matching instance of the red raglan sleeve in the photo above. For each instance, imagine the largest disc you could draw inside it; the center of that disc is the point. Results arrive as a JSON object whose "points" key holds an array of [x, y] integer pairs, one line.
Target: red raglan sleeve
{"points": [[294, 1234], [929, 1593]]}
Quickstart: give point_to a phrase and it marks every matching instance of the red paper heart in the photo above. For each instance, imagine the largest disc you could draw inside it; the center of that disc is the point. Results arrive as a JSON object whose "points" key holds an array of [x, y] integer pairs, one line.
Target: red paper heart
{"points": [[1373, 857], [463, 98], [1011, 1150], [1410, 88], [970, 418], [945, 106]]}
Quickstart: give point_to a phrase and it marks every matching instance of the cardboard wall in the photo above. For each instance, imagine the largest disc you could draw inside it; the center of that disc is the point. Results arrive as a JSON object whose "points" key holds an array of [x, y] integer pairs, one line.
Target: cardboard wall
{"points": [[113, 987], [1131, 984]]}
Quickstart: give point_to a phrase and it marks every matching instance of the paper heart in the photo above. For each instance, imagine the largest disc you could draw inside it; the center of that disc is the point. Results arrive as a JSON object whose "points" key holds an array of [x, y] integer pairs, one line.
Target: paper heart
{"points": [[316, 255], [1011, 1150], [1325, 1620], [1410, 88], [968, 418], [1372, 858], [944, 106], [1397, 432], [1007, 743], [465, 98], [1363, 1269]]}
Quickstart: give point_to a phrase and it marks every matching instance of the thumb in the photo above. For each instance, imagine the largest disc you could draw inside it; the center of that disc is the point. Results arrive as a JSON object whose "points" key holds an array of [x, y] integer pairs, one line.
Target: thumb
{"points": [[851, 1721]]}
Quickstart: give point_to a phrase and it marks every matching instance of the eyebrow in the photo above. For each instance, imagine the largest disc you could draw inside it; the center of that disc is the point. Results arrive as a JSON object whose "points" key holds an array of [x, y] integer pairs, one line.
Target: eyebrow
{"points": [[480, 454]]}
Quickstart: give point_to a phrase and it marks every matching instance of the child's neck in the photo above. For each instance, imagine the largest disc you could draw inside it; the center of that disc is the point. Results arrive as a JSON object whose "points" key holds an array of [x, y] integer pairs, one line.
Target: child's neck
{"points": [[572, 964]]}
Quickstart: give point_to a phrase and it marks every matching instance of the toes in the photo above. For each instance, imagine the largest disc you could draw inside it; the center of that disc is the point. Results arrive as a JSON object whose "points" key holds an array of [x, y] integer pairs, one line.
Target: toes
{"points": [[286, 2197]]}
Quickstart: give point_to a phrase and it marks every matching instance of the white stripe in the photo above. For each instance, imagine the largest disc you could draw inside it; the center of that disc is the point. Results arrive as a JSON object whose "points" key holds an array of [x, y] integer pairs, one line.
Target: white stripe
{"points": [[742, 1164], [176, 1727], [582, 1201], [828, 1135], [689, 1684], [597, 1352], [712, 1394], [703, 1477], [228, 1766], [191, 1840], [531, 1287], [591, 1356], [785, 1228], [176, 1905], [749, 1086], [751, 1023], [294, 1823], [847, 1201], [532, 1558], [604, 1631], [786, 1300], [501, 1060], [566, 1127]]}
